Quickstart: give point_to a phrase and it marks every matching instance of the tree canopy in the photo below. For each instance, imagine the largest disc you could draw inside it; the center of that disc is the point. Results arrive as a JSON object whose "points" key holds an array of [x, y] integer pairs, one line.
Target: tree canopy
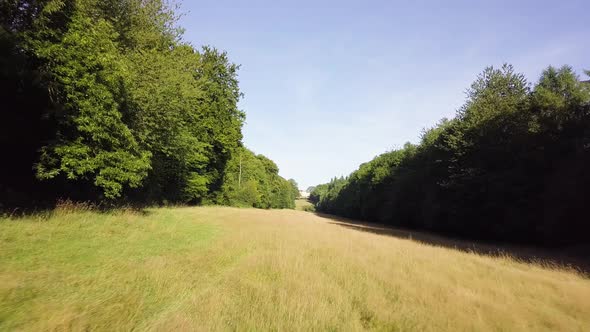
{"points": [[104, 101], [512, 165]]}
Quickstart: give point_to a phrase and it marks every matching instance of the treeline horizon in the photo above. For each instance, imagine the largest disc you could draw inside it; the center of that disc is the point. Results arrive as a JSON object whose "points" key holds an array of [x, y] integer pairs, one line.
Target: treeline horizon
{"points": [[512, 165], [104, 102]]}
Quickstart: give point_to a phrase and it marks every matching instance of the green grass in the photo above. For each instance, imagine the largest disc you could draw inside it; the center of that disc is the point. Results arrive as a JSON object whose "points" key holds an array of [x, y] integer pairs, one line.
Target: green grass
{"points": [[304, 205], [215, 268], [59, 271]]}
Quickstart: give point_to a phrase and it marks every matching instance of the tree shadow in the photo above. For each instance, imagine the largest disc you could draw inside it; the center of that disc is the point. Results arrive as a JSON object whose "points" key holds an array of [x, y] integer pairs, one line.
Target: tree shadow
{"points": [[51, 209], [575, 258]]}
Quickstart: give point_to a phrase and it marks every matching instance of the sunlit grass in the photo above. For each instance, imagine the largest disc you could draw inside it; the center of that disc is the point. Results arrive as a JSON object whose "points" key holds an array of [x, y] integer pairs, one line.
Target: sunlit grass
{"points": [[303, 204], [216, 268]]}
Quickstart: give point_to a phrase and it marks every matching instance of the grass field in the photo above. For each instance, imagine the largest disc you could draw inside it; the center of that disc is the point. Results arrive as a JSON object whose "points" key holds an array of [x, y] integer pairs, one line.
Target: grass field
{"points": [[215, 268], [303, 204]]}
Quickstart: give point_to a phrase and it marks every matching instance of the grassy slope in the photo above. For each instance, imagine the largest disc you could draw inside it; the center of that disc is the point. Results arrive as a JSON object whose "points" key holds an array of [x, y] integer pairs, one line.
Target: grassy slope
{"points": [[302, 204], [225, 268]]}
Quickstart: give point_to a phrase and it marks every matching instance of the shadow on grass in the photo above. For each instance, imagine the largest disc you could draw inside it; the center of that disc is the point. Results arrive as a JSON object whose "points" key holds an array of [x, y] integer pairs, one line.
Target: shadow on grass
{"points": [[49, 210], [575, 258]]}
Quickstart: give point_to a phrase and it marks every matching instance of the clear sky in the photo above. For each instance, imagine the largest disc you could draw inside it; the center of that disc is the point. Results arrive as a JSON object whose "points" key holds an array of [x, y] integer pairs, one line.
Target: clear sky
{"points": [[328, 85]]}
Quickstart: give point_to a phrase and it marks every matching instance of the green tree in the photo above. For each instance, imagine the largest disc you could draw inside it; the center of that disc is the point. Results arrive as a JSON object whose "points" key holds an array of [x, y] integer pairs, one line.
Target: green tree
{"points": [[294, 188], [125, 110], [86, 74], [512, 165]]}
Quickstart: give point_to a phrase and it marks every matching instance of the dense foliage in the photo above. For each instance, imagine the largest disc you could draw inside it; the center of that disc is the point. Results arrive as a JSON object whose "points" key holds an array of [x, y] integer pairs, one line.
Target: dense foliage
{"points": [[253, 180], [103, 101], [514, 164]]}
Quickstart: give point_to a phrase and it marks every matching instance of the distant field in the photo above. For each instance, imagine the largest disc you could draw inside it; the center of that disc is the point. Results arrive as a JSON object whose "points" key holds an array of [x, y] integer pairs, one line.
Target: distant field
{"points": [[303, 205], [215, 268]]}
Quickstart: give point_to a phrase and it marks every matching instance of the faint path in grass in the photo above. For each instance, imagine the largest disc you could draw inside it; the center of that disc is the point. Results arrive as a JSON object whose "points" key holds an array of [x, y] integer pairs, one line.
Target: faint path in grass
{"points": [[219, 269]]}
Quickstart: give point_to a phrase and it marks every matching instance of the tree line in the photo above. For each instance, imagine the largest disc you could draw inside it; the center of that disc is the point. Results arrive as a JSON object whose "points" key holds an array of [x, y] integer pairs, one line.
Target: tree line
{"points": [[103, 101], [512, 165]]}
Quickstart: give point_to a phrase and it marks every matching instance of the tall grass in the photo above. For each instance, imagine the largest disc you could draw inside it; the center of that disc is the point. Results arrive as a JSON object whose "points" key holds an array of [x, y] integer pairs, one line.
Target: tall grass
{"points": [[303, 204], [218, 268]]}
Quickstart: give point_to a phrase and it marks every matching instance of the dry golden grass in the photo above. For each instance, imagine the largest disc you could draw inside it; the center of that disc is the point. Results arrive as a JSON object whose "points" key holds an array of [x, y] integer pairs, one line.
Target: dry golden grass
{"points": [[216, 268]]}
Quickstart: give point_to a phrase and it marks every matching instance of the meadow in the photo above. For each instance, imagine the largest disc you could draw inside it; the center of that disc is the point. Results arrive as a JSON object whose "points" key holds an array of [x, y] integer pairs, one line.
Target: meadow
{"points": [[302, 204], [221, 268]]}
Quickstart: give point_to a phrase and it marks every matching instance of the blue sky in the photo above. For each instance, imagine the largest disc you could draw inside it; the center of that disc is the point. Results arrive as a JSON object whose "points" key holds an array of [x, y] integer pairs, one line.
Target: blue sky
{"points": [[329, 85]]}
